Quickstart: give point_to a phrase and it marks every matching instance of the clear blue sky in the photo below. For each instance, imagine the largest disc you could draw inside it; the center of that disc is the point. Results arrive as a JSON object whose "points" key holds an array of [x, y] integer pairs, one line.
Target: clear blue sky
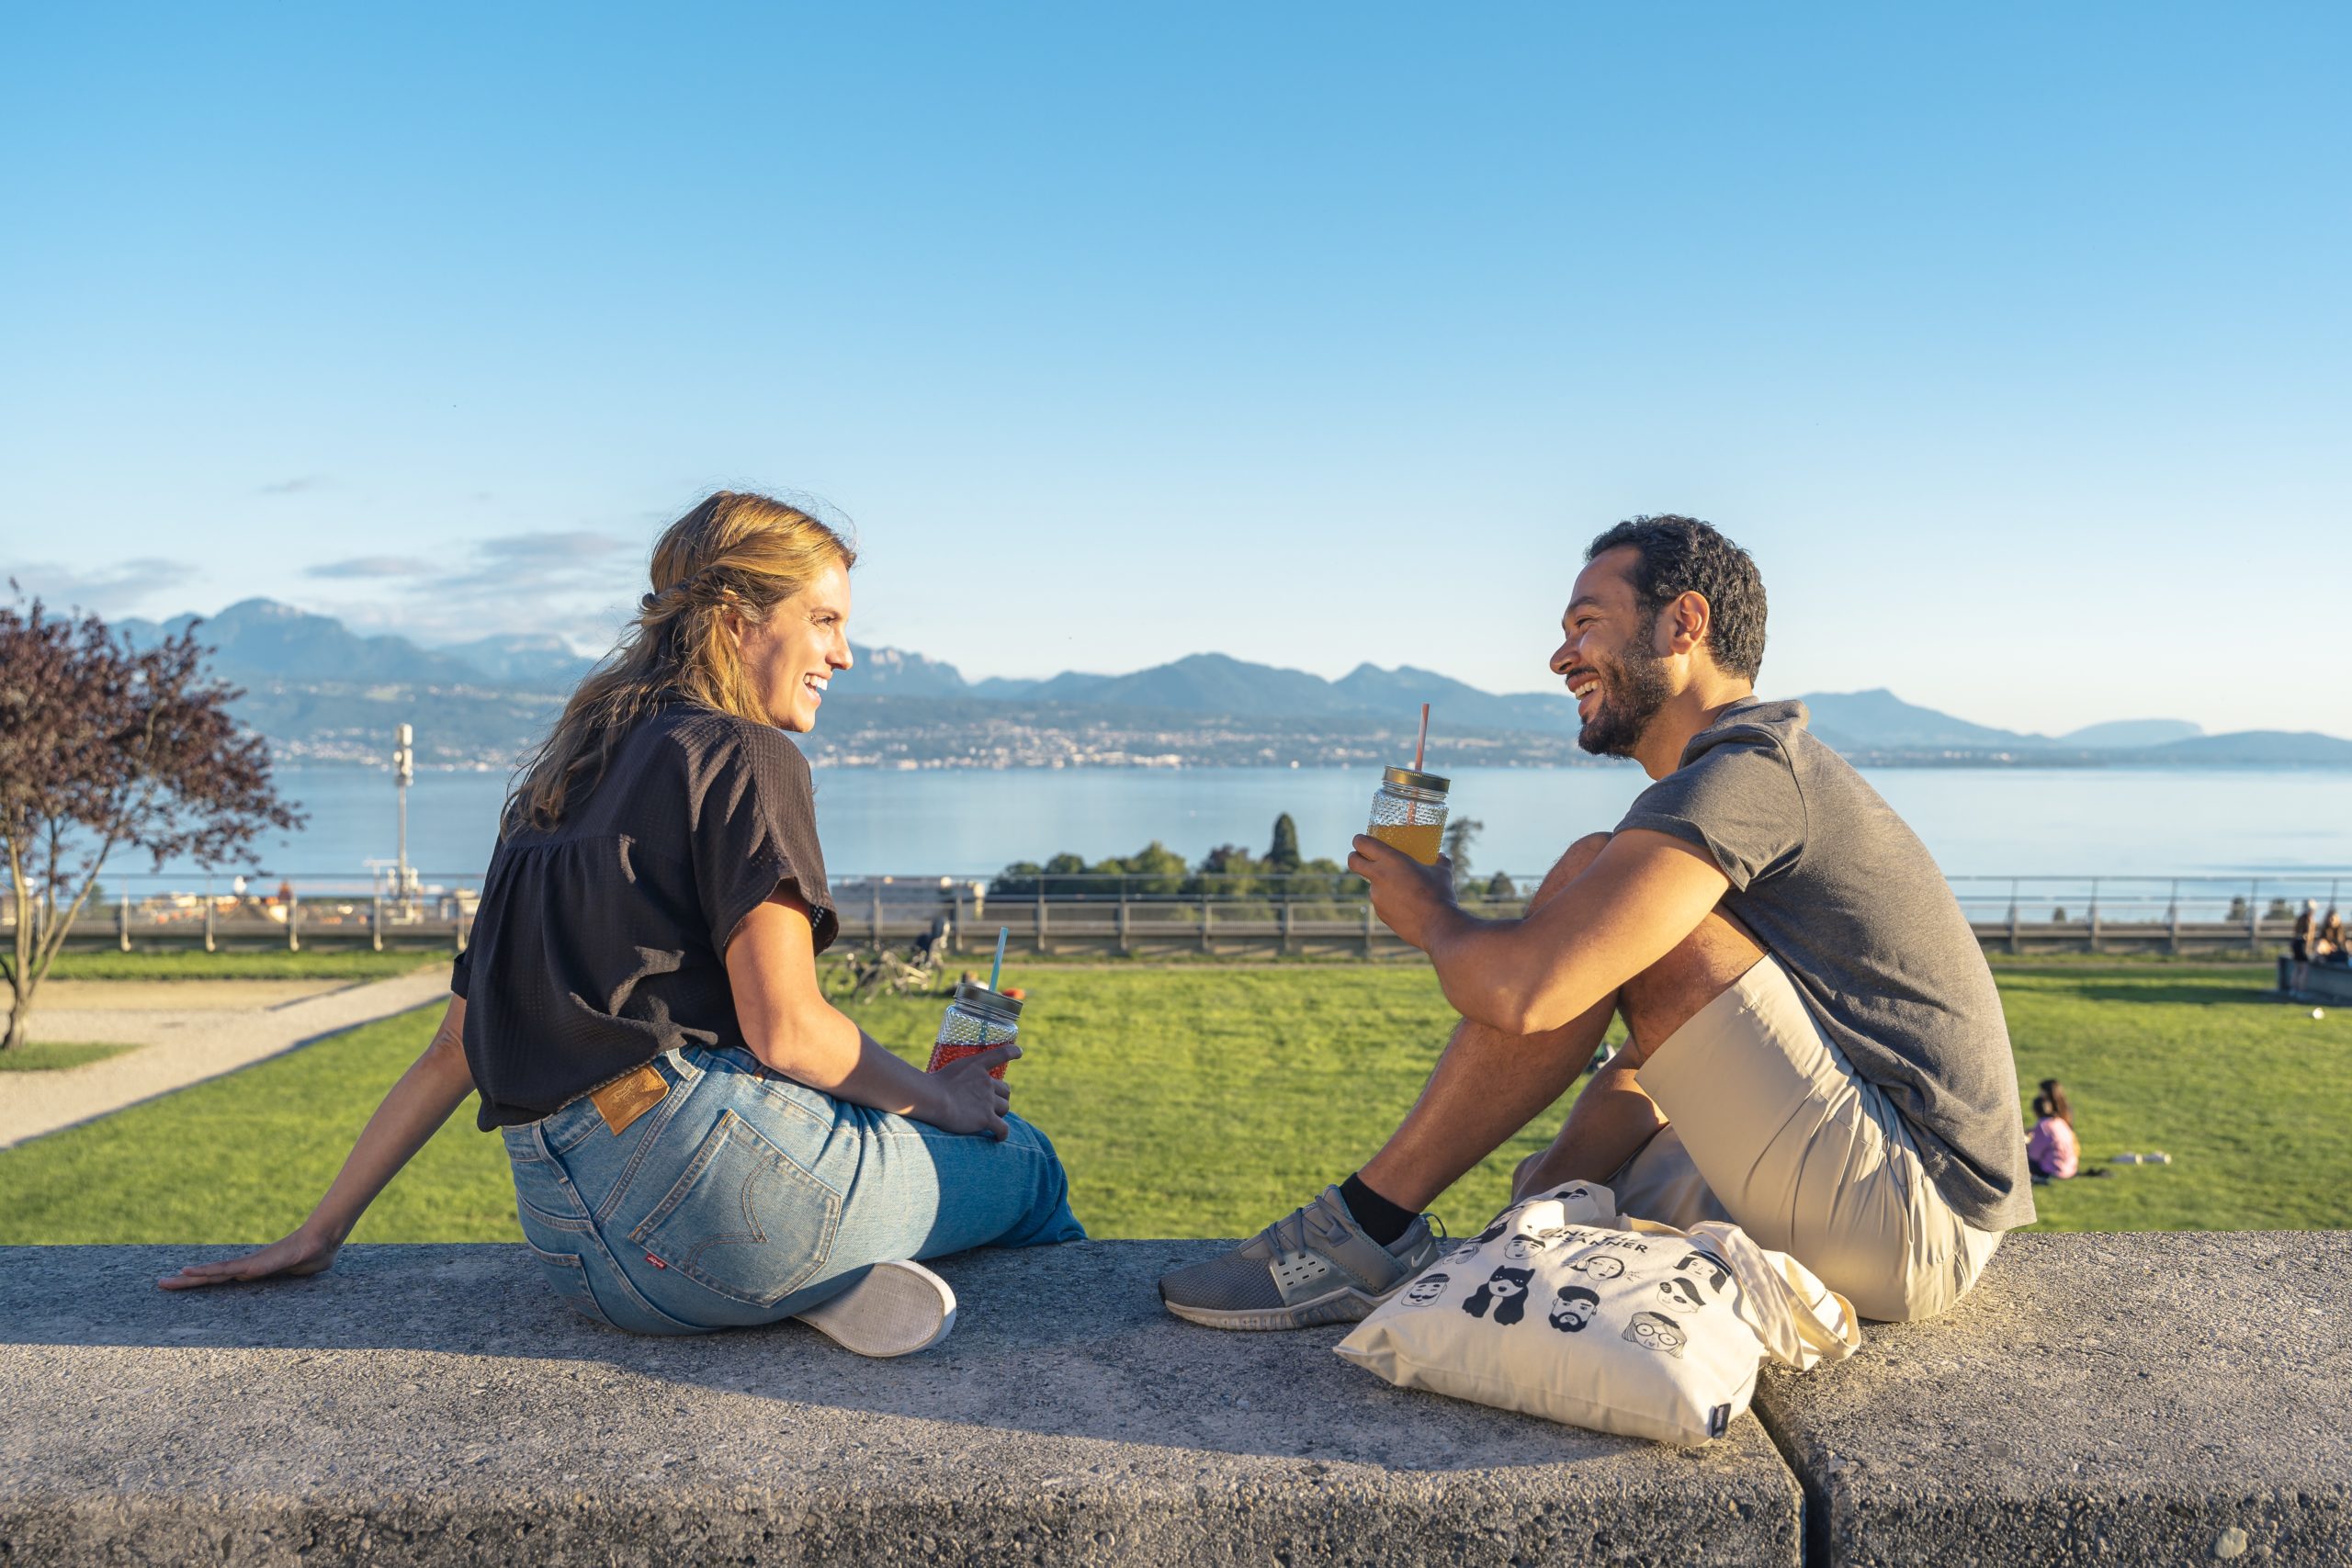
{"points": [[2013, 340]]}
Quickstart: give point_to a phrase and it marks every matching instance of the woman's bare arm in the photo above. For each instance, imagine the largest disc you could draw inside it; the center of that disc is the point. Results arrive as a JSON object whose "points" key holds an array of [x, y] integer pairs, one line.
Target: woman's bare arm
{"points": [[434, 1085], [789, 1025]]}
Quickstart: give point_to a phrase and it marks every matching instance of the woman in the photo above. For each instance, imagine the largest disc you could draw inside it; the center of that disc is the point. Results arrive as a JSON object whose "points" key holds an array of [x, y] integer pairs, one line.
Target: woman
{"points": [[699, 1139], [2051, 1149]]}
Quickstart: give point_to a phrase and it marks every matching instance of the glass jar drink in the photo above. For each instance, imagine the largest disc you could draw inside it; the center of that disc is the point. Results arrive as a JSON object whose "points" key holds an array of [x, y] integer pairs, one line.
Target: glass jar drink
{"points": [[978, 1018], [1409, 812]]}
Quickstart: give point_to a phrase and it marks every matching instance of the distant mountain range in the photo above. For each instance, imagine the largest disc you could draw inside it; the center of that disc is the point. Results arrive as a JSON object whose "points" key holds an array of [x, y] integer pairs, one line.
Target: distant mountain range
{"points": [[322, 691]]}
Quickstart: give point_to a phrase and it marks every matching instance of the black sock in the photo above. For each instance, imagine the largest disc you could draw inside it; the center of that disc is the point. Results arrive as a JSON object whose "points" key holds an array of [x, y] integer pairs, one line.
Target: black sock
{"points": [[1382, 1220]]}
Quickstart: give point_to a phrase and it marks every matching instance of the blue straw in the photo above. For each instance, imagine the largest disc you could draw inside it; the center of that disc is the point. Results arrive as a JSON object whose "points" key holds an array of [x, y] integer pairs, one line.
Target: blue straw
{"points": [[996, 970]]}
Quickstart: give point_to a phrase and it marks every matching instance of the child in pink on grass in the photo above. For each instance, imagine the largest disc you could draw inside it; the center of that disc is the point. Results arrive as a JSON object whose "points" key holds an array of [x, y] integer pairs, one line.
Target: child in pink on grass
{"points": [[2050, 1148]]}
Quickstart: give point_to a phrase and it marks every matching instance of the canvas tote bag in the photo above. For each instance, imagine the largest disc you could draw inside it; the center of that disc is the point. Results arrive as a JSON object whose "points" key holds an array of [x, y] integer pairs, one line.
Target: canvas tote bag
{"points": [[1564, 1308]]}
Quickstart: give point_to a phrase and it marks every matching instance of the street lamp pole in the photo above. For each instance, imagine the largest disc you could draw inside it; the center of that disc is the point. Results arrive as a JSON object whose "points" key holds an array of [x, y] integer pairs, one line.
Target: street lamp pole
{"points": [[404, 773]]}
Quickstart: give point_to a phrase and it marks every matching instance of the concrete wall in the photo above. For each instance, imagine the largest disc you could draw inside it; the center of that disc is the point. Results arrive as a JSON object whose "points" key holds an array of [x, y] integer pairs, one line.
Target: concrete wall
{"points": [[2098, 1399]]}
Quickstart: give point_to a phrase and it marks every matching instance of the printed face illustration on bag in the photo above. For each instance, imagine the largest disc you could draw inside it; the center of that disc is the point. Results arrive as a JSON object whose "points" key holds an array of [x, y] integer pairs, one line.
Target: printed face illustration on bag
{"points": [[1461, 1251], [1574, 1309], [1706, 1267], [1679, 1295], [1519, 1249], [1502, 1224], [1425, 1289], [1654, 1332], [1505, 1290], [1599, 1265]]}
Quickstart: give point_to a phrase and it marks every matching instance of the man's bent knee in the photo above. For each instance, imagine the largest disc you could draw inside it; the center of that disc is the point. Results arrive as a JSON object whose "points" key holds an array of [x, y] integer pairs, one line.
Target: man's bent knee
{"points": [[1574, 863]]}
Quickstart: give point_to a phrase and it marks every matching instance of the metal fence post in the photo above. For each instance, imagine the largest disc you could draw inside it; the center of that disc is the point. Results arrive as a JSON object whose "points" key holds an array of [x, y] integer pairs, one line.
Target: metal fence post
{"points": [[2016, 943], [1367, 927], [293, 921], [1286, 923], [955, 920], [2173, 916], [375, 921], [1204, 923], [1126, 945], [2253, 913], [210, 904], [874, 914], [1040, 933], [122, 923], [2094, 914]]}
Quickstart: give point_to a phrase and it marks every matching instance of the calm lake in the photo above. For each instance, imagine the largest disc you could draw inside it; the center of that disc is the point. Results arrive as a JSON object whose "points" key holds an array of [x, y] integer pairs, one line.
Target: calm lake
{"points": [[1978, 821]]}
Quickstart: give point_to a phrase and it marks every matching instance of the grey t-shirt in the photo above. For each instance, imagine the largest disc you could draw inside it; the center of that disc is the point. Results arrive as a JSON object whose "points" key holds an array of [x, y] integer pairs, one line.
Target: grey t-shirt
{"points": [[1848, 899]]}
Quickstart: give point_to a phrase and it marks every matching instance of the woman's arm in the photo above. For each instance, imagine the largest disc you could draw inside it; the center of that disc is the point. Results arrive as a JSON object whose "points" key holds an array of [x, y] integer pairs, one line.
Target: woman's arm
{"points": [[789, 1025], [431, 1088]]}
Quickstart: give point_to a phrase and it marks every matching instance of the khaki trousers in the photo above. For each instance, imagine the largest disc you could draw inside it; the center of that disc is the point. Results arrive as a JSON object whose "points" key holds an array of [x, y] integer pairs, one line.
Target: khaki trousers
{"points": [[1771, 1127]]}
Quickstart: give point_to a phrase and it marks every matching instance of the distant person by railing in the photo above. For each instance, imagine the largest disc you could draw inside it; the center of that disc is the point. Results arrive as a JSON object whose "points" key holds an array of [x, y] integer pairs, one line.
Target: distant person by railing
{"points": [[2329, 946]]}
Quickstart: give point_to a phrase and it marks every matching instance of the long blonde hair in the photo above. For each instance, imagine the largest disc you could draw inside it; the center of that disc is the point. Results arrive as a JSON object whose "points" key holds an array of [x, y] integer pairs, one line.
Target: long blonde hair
{"points": [[735, 551]]}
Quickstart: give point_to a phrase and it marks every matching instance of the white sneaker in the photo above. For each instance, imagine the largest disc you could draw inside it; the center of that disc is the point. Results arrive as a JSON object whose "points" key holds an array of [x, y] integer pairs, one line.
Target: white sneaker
{"points": [[898, 1309]]}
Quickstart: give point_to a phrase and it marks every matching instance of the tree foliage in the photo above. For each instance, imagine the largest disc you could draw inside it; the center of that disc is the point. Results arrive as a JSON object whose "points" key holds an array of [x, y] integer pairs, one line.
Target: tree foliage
{"points": [[104, 747], [1229, 871]]}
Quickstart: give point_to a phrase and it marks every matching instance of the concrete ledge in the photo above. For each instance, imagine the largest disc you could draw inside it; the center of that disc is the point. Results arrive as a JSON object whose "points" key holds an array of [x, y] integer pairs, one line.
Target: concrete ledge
{"points": [[435, 1405], [2151, 1398]]}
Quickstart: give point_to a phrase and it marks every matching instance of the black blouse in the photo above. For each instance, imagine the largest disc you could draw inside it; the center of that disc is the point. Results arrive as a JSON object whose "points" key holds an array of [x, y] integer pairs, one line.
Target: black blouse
{"points": [[602, 944]]}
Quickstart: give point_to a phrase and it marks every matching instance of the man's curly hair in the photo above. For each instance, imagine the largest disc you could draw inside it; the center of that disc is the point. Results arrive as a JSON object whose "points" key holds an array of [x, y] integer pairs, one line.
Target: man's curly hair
{"points": [[1682, 555]]}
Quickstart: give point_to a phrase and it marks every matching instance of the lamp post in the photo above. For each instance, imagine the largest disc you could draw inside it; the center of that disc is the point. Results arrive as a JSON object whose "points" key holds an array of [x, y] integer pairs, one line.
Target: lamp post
{"points": [[404, 773]]}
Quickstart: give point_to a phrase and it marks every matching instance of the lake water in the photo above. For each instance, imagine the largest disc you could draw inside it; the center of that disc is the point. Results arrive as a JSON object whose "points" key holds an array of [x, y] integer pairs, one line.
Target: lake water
{"points": [[1977, 821]]}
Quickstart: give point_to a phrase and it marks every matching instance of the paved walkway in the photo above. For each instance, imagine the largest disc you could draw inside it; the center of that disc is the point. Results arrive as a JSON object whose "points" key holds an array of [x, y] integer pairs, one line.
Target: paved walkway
{"points": [[182, 1046]]}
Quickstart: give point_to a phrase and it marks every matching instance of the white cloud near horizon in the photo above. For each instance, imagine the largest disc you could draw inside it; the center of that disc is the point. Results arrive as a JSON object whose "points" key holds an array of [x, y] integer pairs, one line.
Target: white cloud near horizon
{"points": [[373, 566], [124, 585]]}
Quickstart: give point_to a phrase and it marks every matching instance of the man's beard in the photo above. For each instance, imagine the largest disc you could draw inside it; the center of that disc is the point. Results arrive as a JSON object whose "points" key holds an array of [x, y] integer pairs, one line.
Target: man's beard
{"points": [[1632, 688]]}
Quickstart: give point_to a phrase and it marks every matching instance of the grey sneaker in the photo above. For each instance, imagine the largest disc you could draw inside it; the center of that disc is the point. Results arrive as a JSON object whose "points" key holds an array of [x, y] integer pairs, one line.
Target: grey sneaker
{"points": [[1315, 1265]]}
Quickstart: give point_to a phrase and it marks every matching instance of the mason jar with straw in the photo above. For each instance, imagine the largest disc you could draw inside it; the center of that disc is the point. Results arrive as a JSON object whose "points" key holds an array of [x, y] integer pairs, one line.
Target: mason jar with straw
{"points": [[1408, 809], [978, 1018]]}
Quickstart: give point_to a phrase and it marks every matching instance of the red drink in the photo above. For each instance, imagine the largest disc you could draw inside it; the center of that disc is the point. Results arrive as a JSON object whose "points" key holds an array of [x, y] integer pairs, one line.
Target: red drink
{"points": [[946, 1053], [977, 1020]]}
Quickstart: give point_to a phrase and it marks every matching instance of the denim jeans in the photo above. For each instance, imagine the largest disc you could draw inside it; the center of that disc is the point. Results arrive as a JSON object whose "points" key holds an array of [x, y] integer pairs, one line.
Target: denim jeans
{"points": [[743, 1197]]}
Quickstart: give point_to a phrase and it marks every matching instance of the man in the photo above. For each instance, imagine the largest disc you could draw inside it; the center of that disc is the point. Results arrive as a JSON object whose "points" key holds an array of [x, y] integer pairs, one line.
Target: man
{"points": [[1817, 1051]]}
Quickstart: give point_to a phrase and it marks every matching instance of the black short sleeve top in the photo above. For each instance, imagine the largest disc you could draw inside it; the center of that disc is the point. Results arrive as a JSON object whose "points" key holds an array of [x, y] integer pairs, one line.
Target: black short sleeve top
{"points": [[603, 943]]}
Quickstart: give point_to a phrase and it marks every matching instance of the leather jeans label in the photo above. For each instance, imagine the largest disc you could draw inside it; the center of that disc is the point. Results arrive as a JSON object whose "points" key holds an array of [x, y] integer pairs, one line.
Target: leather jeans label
{"points": [[623, 1100]]}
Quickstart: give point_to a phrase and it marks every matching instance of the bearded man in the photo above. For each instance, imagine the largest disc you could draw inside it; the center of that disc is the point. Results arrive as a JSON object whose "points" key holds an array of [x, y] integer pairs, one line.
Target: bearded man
{"points": [[1817, 1052]]}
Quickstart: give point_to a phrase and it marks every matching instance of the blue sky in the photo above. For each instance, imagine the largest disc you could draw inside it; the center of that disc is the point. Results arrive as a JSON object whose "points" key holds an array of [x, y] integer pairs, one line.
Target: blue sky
{"points": [[2012, 339]]}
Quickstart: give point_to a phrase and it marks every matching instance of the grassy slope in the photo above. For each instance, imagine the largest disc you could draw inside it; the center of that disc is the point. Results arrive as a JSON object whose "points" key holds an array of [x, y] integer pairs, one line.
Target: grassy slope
{"points": [[342, 964], [49, 1055], [1200, 1102]]}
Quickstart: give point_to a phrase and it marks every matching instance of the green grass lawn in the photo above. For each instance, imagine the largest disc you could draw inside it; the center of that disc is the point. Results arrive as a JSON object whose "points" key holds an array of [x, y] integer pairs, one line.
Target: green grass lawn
{"points": [[193, 964], [1196, 1101], [49, 1055]]}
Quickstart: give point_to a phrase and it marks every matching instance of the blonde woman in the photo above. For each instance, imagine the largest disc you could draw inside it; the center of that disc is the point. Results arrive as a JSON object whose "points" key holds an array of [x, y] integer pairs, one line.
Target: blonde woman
{"points": [[699, 1139]]}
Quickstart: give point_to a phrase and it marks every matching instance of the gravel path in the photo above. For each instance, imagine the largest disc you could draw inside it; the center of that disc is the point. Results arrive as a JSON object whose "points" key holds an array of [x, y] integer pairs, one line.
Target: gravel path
{"points": [[181, 1047]]}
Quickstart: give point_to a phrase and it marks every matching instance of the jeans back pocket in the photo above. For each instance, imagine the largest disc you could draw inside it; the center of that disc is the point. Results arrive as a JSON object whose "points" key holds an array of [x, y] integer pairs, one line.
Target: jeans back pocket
{"points": [[745, 1220]]}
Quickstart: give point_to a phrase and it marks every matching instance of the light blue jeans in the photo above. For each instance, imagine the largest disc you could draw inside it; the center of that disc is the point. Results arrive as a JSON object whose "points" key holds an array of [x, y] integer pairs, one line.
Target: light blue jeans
{"points": [[744, 1197]]}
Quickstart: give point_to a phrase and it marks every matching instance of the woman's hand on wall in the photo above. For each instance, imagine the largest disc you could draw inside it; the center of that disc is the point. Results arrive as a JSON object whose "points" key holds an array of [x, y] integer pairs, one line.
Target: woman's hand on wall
{"points": [[299, 1254]]}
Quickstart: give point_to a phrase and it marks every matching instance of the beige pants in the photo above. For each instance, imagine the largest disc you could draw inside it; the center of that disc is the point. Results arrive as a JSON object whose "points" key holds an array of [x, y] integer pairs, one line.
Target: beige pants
{"points": [[1771, 1127]]}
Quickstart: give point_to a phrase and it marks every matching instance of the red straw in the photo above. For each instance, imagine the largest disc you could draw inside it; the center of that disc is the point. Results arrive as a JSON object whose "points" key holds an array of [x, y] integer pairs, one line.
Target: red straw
{"points": [[1422, 744]]}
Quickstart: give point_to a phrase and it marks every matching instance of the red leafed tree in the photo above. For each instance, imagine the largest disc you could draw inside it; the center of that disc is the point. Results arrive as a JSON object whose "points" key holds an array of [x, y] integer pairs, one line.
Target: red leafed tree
{"points": [[102, 747]]}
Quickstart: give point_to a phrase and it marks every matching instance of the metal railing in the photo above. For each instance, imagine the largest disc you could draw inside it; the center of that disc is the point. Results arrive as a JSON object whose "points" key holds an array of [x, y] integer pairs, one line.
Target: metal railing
{"points": [[1240, 914]]}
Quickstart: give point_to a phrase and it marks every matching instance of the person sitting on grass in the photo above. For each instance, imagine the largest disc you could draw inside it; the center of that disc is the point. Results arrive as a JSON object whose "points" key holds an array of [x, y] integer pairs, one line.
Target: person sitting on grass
{"points": [[2051, 1148], [1817, 1052], [699, 1139]]}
